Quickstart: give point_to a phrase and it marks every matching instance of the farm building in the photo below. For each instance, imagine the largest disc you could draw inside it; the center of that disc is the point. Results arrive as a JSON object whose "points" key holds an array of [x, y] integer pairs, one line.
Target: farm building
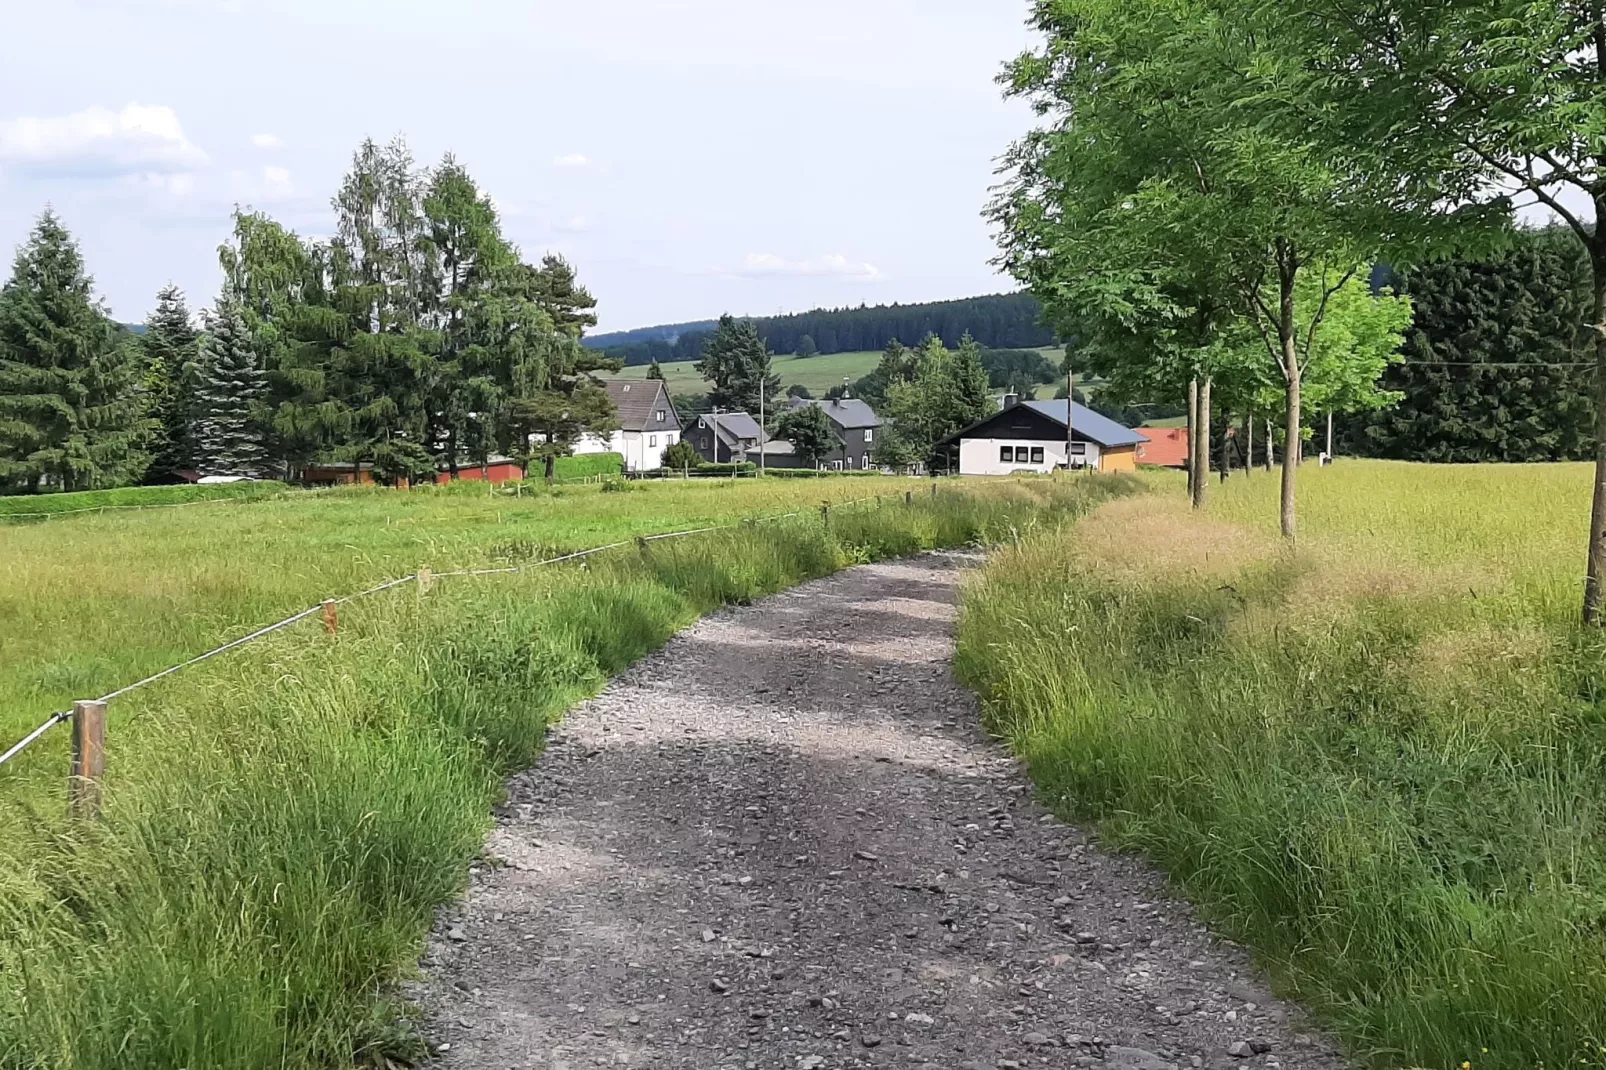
{"points": [[498, 470], [1166, 447], [1029, 436], [648, 425]]}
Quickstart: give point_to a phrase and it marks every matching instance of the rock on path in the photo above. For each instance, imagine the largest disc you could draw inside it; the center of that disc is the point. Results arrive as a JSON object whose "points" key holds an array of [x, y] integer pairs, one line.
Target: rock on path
{"points": [[783, 841]]}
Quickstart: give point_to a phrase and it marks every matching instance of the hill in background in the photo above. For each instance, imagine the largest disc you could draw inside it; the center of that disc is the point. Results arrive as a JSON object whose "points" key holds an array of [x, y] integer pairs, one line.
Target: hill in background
{"points": [[999, 321]]}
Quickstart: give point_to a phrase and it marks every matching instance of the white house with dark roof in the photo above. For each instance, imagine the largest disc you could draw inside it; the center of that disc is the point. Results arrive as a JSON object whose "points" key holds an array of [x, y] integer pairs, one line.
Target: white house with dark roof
{"points": [[856, 426], [1029, 436], [648, 424]]}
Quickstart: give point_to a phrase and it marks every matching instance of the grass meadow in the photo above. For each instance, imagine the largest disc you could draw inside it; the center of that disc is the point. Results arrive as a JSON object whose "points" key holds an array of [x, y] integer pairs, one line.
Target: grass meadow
{"points": [[1379, 759], [282, 823]]}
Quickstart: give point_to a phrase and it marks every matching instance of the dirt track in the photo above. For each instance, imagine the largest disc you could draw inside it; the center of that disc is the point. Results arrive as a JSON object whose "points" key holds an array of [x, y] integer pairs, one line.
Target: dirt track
{"points": [[784, 841]]}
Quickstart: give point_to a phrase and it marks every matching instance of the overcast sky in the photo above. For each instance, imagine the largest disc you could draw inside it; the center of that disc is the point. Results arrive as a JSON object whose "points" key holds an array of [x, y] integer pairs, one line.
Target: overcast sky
{"points": [[690, 156]]}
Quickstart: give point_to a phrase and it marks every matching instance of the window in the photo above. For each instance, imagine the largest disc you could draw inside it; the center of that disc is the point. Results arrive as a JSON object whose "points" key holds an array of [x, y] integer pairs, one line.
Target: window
{"points": [[836, 466], [850, 464], [659, 416], [866, 464], [1023, 455], [869, 434], [1006, 454], [1079, 447], [627, 388], [1037, 455], [669, 439], [652, 440]]}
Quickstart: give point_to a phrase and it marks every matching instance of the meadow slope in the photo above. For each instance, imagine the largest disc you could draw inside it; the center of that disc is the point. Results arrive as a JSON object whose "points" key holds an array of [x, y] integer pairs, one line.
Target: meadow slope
{"points": [[1379, 759]]}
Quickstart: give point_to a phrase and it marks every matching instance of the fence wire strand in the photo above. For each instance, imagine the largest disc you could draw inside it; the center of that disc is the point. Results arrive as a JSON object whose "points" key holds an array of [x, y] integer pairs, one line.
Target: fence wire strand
{"points": [[58, 718]]}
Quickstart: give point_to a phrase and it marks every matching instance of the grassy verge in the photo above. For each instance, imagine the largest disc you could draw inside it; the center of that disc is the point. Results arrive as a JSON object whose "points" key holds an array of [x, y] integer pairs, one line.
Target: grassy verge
{"points": [[1380, 760], [281, 825]]}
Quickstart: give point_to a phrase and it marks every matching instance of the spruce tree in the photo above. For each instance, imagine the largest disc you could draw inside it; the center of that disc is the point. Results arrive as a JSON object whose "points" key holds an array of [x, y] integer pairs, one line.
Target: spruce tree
{"points": [[171, 345], [231, 385], [72, 413], [736, 360], [973, 395]]}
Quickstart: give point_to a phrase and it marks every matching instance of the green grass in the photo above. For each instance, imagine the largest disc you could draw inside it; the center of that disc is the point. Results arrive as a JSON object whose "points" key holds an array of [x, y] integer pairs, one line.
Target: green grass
{"points": [[91, 602], [25, 505], [819, 373], [282, 823], [1379, 760]]}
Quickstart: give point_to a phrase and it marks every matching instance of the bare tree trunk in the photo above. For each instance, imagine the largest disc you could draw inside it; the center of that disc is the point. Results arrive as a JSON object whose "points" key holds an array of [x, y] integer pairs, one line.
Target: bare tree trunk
{"points": [[1249, 444], [1595, 585], [1201, 447], [1193, 435]]}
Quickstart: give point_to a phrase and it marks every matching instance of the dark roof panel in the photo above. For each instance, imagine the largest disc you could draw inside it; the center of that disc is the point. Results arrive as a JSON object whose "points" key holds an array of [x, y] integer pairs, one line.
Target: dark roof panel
{"points": [[639, 402]]}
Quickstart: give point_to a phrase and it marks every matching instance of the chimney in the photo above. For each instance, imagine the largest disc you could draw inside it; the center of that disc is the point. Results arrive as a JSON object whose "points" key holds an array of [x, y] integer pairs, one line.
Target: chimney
{"points": [[1011, 400]]}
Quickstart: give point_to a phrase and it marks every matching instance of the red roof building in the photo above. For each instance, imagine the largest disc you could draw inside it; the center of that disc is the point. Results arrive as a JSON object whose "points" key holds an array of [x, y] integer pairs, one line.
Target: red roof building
{"points": [[1167, 447]]}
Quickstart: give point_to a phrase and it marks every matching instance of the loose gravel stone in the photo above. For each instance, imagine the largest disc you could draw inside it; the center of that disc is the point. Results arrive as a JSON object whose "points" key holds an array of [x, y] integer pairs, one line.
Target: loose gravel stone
{"points": [[796, 801]]}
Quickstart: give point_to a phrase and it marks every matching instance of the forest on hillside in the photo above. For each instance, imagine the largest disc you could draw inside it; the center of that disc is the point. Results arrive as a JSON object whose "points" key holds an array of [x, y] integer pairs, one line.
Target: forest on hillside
{"points": [[998, 321]]}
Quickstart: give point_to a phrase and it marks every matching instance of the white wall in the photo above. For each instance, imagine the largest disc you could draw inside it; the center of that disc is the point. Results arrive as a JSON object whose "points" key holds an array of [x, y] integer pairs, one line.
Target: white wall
{"points": [[979, 456], [633, 446]]}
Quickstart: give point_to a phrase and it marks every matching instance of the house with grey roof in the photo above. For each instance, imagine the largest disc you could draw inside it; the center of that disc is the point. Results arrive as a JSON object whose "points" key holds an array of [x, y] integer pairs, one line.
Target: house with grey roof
{"points": [[856, 426], [726, 437], [648, 424], [1030, 436]]}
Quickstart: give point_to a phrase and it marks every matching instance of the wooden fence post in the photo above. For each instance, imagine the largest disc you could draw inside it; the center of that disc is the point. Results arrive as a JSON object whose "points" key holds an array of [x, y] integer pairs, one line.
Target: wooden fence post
{"points": [[88, 760], [426, 578], [933, 488], [825, 514], [908, 497], [331, 616]]}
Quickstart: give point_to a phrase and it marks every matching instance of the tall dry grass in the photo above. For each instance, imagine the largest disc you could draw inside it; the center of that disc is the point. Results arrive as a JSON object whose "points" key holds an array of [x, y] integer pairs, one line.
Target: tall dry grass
{"points": [[1380, 759]]}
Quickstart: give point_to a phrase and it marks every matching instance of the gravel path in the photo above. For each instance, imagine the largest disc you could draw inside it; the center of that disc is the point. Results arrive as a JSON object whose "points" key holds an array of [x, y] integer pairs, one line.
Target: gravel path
{"points": [[784, 842]]}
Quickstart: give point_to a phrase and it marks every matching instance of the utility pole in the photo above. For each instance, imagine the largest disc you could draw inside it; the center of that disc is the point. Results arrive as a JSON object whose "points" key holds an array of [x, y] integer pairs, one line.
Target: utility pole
{"points": [[1193, 434], [1070, 405], [761, 431], [1329, 437], [716, 435]]}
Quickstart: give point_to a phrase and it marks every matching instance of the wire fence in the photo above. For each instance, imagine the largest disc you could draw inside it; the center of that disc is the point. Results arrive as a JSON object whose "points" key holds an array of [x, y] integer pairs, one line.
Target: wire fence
{"points": [[325, 607]]}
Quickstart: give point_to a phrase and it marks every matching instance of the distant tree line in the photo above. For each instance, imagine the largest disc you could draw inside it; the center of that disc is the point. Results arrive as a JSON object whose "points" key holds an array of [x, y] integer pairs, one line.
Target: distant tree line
{"points": [[1002, 321], [415, 339]]}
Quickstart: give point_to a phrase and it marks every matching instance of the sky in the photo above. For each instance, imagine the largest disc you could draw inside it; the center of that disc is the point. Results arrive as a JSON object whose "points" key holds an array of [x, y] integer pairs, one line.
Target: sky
{"points": [[690, 157]]}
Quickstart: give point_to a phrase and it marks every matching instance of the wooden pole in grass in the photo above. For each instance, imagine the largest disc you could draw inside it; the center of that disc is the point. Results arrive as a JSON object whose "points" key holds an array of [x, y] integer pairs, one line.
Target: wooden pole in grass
{"points": [[908, 497], [331, 616], [426, 579], [88, 760]]}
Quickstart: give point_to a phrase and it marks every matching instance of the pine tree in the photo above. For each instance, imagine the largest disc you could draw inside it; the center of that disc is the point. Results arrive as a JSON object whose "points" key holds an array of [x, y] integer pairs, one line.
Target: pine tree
{"points": [[737, 361], [72, 412], [655, 372], [973, 396], [171, 346], [231, 386]]}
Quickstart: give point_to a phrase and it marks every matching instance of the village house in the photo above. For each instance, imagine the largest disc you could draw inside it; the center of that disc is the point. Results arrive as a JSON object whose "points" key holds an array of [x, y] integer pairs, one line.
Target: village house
{"points": [[856, 426], [1029, 436], [726, 437], [1167, 447], [648, 424]]}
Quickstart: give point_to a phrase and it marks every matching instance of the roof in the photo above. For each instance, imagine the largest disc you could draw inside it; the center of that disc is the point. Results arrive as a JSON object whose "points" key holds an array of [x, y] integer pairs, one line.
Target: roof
{"points": [[777, 447], [639, 401], [732, 425], [1089, 424], [1167, 446], [844, 412], [1085, 423]]}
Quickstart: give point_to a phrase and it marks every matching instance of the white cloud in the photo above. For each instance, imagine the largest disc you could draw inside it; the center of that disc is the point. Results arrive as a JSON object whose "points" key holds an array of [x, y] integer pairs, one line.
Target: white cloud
{"points": [[572, 160], [831, 265], [98, 142], [267, 141], [573, 225], [270, 185]]}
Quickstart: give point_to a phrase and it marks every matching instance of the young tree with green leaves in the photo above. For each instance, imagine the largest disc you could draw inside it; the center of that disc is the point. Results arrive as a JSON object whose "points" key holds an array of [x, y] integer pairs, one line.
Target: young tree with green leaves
{"points": [[230, 389], [1477, 104], [806, 346], [810, 432], [947, 394], [682, 456], [72, 411], [1169, 147], [737, 362], [655, 373], [898, 365], [171, 346]]}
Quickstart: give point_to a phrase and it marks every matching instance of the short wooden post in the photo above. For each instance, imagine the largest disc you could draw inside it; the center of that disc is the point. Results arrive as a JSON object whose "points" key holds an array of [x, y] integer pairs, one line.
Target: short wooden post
{"points": [[825, 513], [933, 488], [426, 579], [331, 616], [908, 497], [88, 760]]}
